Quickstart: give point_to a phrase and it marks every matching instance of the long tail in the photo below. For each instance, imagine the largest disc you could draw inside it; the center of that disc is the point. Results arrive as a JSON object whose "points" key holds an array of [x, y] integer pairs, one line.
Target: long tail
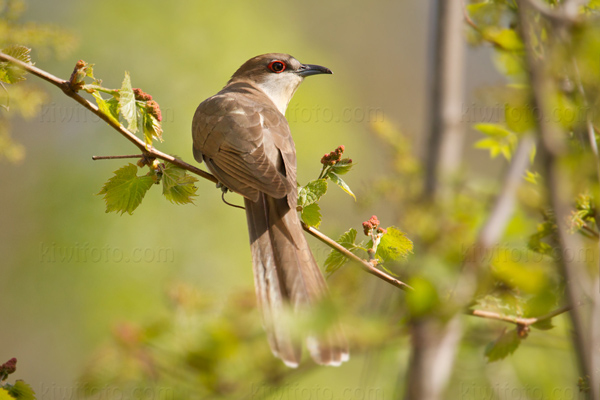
{"points": [[287, 276]]}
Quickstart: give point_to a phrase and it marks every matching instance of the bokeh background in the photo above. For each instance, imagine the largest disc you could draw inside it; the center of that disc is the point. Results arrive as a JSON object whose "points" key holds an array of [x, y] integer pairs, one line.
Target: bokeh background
{"points": [[70, 273]]}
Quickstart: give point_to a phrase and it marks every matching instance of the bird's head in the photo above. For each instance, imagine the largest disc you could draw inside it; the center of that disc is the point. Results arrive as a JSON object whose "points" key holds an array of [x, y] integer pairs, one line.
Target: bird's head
{"points": [[277, 75]]}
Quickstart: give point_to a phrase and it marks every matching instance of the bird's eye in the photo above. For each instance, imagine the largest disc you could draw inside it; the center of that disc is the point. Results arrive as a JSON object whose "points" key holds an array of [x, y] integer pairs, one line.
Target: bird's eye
{"points": [[277, 66]]}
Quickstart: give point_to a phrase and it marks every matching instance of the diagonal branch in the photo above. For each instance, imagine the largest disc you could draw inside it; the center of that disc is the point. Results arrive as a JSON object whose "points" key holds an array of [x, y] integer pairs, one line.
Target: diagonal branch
{"points": [[518, 320], [151, 152]]}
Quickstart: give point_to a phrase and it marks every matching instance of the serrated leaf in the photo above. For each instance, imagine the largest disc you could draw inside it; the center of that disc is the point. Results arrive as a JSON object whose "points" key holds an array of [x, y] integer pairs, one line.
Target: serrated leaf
{"points": [[108, 107], [393, 245], [125, 191], [505, 345], [311, 215], [335, 259], [312, 192], [10, 73], [127, 104], [21, 391], [340, 182], [152, 128], [178, 185], [4, 394], [342, 167]]}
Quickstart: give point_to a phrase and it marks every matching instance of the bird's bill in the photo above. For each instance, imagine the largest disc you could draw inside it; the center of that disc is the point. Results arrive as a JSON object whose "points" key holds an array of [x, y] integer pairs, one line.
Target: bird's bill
{"points": [[312, 69]]}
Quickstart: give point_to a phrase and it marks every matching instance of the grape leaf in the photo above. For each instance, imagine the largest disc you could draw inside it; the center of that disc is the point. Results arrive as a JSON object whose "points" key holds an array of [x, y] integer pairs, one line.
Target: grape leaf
{"points": [[342, 167], [312, 192], [311, 215], [338, 181], [152, 128], [335, 259], [108, 107], [125, 191], [393, 245], [503, 346], [20, 391], [10, 73], [178, 186], [127, 104]]}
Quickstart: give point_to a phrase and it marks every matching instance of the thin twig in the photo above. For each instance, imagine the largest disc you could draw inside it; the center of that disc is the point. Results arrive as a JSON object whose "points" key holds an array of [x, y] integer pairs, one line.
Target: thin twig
{"points": [[365, 265], [517, 320], [117, 157], [150, 151]]}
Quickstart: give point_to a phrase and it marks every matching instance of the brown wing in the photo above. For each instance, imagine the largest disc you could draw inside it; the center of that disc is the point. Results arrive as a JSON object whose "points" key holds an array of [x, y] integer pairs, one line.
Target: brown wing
{"points": [[246, 143]]}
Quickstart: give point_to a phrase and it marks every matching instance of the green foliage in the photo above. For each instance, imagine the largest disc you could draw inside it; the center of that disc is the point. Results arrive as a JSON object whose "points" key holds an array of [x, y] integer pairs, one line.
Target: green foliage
{"points": [[311, 215], [20, 391], [506, 344], [335, 260], [340, 182], [499, 140], [127, 104], [394, 245], [178, 185], [10, 73], [24, 98], [125, 191], [133, 105]]}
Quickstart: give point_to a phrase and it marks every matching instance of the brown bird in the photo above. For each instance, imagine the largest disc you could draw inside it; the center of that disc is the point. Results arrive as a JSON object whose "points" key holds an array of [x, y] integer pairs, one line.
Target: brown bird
{"points": [[243, 137]]}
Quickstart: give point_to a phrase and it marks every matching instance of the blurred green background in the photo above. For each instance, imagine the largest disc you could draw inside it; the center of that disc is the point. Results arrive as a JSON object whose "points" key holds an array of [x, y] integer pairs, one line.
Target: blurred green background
{"points": [[70, 273]]}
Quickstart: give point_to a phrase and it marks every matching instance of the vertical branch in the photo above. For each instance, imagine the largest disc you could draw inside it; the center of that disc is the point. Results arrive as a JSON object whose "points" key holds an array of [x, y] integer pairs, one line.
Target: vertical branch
{"points": [[552, 152], [446, 134], [434, 342]]}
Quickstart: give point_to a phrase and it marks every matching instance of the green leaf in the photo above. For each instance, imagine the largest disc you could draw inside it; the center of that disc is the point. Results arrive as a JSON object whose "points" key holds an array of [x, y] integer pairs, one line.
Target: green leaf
{"points": [[20, 391], [335, 259], [499, 141], [393, 245], [152, 128], [338, 181], [4, 395], [10, 73], [500, 348], [125, 191], [507, 39], [312, 192], [543, 325], [178, 185], [108, 107], [127, 104], [342, 167], [311, 215]]}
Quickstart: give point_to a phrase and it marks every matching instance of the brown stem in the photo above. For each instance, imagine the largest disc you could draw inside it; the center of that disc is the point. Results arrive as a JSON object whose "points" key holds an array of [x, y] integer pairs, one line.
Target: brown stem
{"points": [[517, 320], [365, 265], [150, 151], [117, 157]]}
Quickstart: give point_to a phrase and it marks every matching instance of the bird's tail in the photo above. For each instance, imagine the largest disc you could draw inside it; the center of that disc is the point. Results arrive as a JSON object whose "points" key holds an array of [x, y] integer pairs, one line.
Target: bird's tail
{"points": [[286, 275]]}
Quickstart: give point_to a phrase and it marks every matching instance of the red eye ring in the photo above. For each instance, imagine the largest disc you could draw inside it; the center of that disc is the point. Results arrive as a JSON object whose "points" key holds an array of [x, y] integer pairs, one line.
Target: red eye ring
{"points": [[277, 66]]}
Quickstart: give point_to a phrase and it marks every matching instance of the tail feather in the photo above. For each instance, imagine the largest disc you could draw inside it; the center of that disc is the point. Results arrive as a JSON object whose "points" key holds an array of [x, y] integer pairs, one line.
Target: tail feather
{"points": [[287, 275]]}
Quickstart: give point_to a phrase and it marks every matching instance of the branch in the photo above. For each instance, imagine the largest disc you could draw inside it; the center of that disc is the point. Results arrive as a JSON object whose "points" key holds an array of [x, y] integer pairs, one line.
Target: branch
{"points": [[553, 151], [365, 265], [151, 152], [66, 88], [518, 320]]}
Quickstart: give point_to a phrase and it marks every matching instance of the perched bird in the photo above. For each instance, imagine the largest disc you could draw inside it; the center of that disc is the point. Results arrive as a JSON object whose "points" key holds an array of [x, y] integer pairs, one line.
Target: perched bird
{"points": [[242, 135]]}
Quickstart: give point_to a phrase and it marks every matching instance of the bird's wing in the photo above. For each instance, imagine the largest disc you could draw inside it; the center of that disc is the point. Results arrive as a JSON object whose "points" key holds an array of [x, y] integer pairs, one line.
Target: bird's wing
{"points": [[247, 144]]}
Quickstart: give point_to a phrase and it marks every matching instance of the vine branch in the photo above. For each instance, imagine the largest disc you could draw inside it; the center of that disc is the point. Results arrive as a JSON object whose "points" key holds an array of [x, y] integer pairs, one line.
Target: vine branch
{"points": [[151, 152]]}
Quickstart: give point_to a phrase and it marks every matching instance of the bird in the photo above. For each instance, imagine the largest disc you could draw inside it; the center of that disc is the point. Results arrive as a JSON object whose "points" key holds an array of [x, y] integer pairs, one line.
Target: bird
{"points": [[243, 137]]}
